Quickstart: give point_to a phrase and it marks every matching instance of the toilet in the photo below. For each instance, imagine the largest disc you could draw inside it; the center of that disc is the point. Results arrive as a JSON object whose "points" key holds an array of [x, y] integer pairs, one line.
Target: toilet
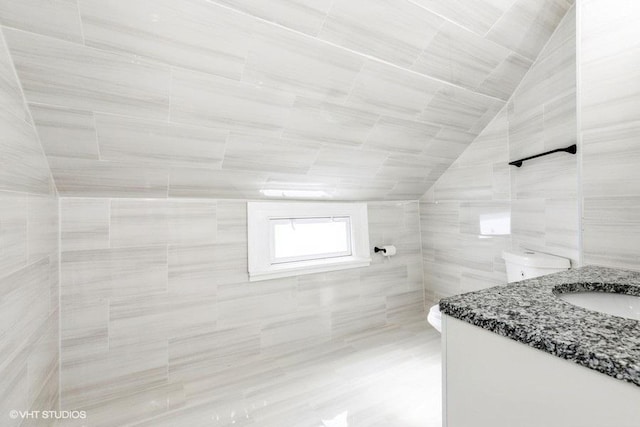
{"points": [[521, 265]]}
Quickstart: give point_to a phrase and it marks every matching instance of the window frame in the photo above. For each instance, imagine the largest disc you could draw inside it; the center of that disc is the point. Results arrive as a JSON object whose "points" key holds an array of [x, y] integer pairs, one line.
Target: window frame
{"points": [[260, 237]]}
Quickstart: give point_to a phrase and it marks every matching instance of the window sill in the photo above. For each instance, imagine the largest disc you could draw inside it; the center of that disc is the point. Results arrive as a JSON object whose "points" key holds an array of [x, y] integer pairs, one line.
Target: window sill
{"points": [[308, 267]]}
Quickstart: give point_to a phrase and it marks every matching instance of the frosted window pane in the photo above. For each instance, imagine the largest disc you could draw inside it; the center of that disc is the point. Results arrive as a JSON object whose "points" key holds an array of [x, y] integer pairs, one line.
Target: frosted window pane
{"points": [[310, 238]]}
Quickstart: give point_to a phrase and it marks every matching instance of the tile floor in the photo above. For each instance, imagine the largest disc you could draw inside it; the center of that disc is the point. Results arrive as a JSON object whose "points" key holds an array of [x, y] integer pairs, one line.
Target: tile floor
{"points": [[386, 377]]}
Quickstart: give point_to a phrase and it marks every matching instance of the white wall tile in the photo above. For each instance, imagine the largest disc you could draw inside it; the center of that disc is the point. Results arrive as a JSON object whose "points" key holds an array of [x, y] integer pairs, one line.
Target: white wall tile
{"points": [[176, 319], [65, 132], [609, 95], [29, 231]]}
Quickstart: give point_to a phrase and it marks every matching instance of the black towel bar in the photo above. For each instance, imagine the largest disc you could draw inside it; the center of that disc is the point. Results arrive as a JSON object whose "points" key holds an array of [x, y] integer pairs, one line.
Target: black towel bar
{"points": [[572, 149]]}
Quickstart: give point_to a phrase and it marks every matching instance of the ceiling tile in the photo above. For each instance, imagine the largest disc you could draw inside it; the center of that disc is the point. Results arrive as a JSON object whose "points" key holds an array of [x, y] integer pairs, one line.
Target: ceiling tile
{"points": [[191, 34], [343, 162], [299, 182], [135, 140], [395, 31], [461, 57], [230, 98], [70, 75], [401, 136], [449, 144], [527, 26], [306, 16], [369, 189], [298, 64], [205, 100], [407, 190], [504, 79], [476, 15], [58, 18], [215, 184], [399, 167], [393, 91], [261, 154], [93, 178], [328, 123], [459, 108]]}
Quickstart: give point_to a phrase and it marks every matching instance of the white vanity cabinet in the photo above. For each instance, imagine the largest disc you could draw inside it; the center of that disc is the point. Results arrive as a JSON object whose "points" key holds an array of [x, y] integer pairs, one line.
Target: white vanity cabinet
{"points": [[493, 381]]}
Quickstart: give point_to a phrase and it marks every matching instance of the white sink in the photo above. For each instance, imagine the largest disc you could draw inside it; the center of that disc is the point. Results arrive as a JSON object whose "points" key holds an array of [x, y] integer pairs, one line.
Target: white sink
{"points": [[621, 305]]}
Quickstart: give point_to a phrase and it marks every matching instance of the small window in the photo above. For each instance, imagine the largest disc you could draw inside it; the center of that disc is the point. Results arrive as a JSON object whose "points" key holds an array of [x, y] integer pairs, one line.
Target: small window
{"points": [[288, 238], [303, 239]]}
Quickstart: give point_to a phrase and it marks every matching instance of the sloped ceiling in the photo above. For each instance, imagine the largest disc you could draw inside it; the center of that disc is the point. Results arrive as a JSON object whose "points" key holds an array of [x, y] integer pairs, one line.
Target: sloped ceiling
{"points": [[344, 99]]}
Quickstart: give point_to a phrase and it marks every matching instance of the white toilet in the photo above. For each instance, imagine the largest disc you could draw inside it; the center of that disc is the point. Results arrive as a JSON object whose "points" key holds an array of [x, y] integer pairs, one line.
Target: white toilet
{"points": [[521, 265]]}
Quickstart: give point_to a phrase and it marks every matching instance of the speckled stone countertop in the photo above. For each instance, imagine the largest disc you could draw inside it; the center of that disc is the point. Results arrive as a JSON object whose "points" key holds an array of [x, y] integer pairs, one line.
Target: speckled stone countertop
{"points": [[529, 312]]}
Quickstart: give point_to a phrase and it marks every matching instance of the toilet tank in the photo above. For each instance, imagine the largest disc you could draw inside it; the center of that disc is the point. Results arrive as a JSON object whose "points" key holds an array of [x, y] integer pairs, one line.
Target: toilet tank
{"points": [[526, 264]]}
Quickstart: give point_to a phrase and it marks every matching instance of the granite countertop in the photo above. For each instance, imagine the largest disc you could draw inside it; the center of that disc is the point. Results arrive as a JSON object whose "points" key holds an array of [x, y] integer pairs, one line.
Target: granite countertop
{"points": [[529, 312]]}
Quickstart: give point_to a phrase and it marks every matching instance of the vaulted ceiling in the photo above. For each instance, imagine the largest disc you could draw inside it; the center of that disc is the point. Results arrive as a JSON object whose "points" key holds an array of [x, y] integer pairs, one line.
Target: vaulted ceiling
{"points": [[344, 99]]}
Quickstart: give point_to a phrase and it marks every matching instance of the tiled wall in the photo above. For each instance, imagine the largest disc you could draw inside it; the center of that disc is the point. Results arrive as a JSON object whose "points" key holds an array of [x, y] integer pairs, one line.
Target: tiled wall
{"points": [[325, 85], [156, 305], [459, 255], [542, 117], [29, 355], [481, 206], [610, 125]]}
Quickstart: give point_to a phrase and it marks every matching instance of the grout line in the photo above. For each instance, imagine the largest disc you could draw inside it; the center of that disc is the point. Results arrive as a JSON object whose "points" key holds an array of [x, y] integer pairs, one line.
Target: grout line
{"points": [[326, 42], [427, 43], [95, 131], [345, 102], [326, 16], [59, 303], [513, 3], [579, 170], [109, 202], [84, 40], [424, 291]]}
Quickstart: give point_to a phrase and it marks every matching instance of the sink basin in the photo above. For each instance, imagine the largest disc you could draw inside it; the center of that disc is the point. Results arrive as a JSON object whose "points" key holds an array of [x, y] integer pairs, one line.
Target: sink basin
{"points": [[621, 305]]}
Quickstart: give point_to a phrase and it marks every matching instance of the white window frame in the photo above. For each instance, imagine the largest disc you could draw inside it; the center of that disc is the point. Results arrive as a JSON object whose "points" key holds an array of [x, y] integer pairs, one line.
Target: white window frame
{"points": [[261, 245]]}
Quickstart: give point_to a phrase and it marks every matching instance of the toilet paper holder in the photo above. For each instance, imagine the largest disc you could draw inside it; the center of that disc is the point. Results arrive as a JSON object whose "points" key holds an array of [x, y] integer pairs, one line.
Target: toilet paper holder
{"points": [[386, 250]]}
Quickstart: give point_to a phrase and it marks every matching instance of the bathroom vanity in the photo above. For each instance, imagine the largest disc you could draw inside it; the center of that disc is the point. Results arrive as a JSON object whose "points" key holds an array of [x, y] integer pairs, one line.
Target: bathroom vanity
{"points": [[520, 355]]}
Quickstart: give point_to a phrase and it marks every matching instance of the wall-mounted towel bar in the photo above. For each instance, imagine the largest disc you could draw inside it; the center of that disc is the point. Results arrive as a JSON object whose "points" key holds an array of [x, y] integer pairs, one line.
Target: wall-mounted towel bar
{"points": [[572, 149]]}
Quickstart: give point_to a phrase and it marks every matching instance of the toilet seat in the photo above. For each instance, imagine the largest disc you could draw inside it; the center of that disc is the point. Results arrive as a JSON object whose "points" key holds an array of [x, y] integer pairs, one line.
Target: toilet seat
{"points": [[435, 317]]}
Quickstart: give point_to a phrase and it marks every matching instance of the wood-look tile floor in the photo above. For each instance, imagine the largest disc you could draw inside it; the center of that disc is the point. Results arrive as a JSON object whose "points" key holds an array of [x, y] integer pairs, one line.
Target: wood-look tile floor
{"points": [[388, 377]]}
